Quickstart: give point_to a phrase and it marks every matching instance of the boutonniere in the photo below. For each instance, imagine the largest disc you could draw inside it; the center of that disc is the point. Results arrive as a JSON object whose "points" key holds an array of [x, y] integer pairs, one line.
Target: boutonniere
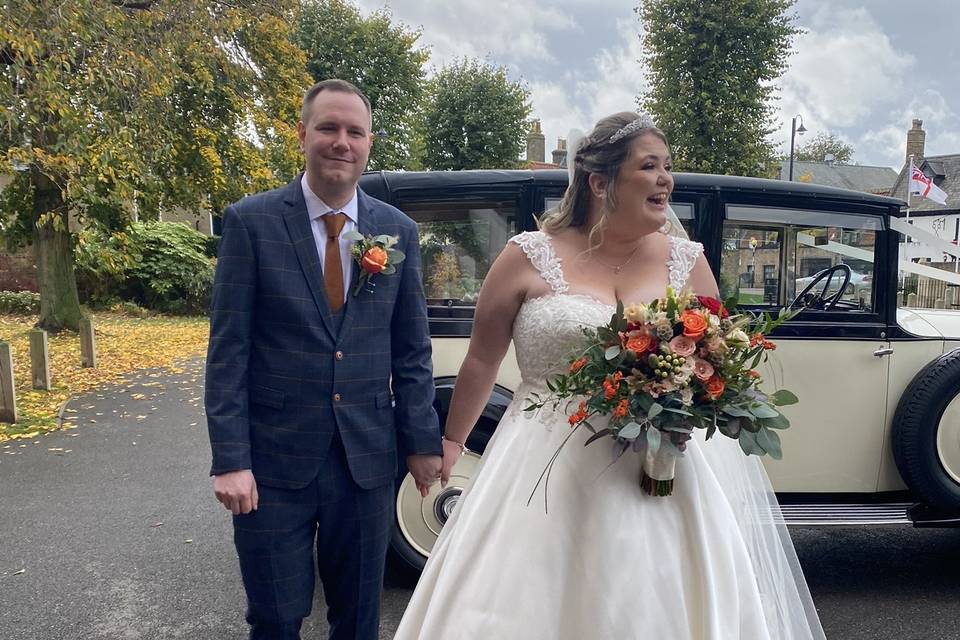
{"points": [[374, 254]]}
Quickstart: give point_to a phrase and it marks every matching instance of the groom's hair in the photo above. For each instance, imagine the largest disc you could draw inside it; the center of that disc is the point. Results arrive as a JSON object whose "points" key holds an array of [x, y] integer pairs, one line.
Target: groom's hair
{"points": [[333, 84]]}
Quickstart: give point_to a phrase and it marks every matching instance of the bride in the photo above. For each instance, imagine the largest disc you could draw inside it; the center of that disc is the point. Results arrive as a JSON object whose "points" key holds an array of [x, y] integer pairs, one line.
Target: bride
{"points": [[607, 561]]}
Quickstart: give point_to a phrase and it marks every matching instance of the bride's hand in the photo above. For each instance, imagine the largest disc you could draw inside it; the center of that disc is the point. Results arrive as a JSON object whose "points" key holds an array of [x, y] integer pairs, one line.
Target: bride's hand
{"points": [[451, 453]]}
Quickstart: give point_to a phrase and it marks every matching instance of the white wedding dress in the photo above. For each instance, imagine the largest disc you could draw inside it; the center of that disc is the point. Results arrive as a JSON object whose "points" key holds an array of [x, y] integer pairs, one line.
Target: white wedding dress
{"points": [[606, 561]]}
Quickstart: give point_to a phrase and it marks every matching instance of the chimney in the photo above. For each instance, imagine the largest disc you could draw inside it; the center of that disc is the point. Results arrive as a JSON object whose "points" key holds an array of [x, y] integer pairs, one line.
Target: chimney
{"points": [[560, 153], [536, 143], [915, 140]]}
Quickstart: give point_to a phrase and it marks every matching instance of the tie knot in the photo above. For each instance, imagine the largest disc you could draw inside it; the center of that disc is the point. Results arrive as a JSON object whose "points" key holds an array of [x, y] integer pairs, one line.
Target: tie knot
{"points": [[334, 223]]}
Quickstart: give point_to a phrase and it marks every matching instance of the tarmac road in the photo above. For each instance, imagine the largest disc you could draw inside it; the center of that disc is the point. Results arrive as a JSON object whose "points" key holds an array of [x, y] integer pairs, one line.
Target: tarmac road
{"points": [[110, 531]]}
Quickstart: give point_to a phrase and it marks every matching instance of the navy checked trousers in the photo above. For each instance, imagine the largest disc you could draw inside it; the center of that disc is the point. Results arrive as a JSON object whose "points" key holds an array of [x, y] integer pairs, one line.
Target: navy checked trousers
{"points": [[349, 527]]}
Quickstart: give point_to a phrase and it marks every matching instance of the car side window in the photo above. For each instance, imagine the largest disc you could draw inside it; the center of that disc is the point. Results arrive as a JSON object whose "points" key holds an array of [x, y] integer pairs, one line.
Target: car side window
{"points": [[772, 255], [459, 240]]}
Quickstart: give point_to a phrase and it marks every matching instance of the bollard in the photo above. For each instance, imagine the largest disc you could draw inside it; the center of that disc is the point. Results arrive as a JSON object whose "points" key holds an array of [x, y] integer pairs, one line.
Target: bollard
{"points": [[39, 359], [8, 394], [912, 300], [88, 343]]}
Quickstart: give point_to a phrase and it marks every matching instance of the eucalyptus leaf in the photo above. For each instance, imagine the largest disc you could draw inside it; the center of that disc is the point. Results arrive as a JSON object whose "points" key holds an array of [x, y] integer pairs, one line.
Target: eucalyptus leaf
{"points": [[352, 236], [748, 443], [680, 411], [389, 270], [382, 239], [630, 431], [395, 255], [761, 410], [711, 430], [655, 409], [677, 428], [612, 352], [778, 422], [783, 397], [671, 448], [770, 441], [738, 412]]}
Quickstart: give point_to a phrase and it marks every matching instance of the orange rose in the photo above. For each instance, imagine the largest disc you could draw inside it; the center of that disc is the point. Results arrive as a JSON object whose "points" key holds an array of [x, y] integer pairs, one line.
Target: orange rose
{"points": [[641, 343], [579, 416], [374, 260], [694, 324], [715, 387], [621, 410]]}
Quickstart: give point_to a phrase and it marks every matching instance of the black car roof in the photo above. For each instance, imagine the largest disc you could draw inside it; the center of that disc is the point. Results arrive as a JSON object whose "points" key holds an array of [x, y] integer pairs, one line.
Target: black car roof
{"points": [[398, 181]]}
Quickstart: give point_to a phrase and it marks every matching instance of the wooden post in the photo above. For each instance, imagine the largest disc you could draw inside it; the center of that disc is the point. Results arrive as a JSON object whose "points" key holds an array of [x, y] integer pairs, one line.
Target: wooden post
{"points": [[88, 343], [39, 359], [8, 394]]}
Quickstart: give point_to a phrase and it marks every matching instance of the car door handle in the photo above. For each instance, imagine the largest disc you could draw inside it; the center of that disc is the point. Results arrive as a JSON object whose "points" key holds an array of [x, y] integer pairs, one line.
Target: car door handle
{"points": [[883, 351]]}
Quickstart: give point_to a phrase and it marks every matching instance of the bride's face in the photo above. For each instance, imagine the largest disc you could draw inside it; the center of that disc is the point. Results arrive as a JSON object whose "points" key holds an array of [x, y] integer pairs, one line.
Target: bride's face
{"points": [[644, 184]]}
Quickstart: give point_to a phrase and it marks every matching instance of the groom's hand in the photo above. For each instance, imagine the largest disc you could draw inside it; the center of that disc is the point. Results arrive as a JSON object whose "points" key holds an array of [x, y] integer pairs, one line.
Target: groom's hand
{"points": [[237, 491], [425, 470]]}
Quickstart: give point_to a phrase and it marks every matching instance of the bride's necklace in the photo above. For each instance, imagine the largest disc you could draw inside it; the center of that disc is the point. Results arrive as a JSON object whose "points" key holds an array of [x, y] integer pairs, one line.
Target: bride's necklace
{"points": [[619, 267]]}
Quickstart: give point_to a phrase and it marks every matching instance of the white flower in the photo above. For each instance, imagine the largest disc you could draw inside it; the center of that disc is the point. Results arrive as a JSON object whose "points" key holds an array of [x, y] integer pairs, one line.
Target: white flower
{"points": [[738, 338]]}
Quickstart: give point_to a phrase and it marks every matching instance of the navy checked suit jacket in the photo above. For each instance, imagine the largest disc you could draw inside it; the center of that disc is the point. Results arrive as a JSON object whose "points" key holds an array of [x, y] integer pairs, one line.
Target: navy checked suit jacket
{"points": [[280, 379]]}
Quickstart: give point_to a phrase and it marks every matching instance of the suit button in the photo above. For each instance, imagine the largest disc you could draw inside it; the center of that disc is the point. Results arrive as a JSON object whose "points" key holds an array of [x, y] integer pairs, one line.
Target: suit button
{"points": [[336, 397], [339, 355]]}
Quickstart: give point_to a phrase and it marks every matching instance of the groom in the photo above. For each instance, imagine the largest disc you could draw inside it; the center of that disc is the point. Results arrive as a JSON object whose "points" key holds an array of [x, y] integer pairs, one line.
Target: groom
{"points": [[303, 428]]}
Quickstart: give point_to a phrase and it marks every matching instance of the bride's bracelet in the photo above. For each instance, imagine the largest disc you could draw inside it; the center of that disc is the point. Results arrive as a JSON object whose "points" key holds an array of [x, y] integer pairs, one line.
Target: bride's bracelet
{"points": [[463, 448]]}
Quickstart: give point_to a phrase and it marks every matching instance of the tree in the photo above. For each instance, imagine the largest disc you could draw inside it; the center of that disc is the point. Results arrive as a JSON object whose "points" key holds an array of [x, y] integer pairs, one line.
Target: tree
{"points": [[107, 108], [823, 144], [711, 67], [474, 118], [380, 58]]}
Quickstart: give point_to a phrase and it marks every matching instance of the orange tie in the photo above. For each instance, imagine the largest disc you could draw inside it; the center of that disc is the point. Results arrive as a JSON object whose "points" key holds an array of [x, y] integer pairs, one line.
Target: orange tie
{"points": [[332, 267]]}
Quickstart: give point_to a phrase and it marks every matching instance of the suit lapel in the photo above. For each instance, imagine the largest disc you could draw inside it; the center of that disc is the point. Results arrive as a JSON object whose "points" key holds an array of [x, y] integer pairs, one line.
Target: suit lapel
{"points": [[366, 225], [297, 221]]}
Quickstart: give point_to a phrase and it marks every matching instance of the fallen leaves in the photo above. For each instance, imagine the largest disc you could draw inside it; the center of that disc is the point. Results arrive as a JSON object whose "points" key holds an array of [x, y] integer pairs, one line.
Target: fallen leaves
{"points": [[124, 345]]}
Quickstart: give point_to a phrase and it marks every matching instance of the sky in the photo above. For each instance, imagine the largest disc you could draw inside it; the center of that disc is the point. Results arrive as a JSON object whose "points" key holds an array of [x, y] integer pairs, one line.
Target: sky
{"points": [[861, 70]]}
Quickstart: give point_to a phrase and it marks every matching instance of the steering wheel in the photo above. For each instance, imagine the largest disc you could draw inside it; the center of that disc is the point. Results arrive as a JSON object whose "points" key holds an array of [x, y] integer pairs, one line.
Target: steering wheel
{"points": [[820, 300]]}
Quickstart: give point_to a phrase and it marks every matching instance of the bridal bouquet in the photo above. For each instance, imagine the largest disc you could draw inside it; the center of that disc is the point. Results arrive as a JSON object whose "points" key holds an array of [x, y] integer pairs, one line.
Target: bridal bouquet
{"points": [[658, 371]]}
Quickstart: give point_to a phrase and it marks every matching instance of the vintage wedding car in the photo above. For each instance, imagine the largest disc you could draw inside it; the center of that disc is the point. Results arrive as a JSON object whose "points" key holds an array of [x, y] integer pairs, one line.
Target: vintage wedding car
{"points": [[876, 436]]}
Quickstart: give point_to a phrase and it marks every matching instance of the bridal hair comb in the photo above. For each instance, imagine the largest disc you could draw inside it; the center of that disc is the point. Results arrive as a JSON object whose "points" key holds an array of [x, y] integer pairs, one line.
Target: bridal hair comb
{"points": [[643, 122]]}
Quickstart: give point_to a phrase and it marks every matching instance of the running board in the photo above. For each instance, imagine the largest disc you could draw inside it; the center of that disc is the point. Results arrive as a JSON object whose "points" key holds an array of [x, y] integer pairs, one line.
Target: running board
{"points": [[853, 514]]}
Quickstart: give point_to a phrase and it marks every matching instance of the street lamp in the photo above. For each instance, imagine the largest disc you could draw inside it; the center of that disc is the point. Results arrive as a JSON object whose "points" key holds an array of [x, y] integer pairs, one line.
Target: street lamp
{"points": [[794, 130]]}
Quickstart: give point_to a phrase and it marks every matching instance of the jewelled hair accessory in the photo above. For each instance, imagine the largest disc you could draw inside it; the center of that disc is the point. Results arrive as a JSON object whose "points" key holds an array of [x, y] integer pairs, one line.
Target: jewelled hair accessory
{"points": [[643, 122]]}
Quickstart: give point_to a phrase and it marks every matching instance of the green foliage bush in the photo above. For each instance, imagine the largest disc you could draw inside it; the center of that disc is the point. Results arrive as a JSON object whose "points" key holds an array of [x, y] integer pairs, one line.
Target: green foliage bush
{"points": [[19, 302], [162, 266]]}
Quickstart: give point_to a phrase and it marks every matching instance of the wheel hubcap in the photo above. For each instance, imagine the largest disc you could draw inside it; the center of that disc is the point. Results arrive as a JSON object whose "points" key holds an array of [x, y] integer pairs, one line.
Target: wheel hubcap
{"points": [[948, 439], [421, 519]]}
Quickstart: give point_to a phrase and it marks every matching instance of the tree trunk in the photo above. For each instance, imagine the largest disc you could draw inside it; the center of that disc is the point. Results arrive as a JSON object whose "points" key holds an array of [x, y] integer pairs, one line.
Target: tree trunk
{"points": [[53, 247]]}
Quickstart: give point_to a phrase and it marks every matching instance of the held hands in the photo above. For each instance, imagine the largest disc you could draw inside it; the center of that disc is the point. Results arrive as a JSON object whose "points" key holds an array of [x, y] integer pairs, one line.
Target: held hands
{"points": [[237, 491], [451, 453], [425, 470]]}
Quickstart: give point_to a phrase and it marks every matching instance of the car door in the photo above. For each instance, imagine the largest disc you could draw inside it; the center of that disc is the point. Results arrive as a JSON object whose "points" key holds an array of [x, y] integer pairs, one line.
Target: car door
{"points": [[836, 360]]}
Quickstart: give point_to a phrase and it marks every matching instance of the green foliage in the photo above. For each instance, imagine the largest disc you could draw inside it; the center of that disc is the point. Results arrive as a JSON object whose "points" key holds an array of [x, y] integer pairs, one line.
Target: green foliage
{"points": [[378, 56], [822, 144], [19, 302], [475, 118], [156, 104], [711, 71], [160, 265]]}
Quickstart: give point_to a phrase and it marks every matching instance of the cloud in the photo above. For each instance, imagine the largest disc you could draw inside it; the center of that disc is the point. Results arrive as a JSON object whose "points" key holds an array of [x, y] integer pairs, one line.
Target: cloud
{"points": [[506, 32], [843, 70], [889, 141]]}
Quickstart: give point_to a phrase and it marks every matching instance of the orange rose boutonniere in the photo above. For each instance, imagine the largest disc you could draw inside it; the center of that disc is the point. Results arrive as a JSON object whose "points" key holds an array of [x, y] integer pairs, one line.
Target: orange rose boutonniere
{"points": [[374, 254]]}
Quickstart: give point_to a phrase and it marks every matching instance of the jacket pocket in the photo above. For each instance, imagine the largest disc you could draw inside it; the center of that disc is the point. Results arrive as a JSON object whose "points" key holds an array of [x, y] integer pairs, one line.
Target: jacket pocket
{"points": [[382, 400], [266, 397]]}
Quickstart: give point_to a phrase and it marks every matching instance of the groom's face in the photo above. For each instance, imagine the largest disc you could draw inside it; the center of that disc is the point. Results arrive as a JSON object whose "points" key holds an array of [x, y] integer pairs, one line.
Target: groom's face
{"points": [[336, 140]]}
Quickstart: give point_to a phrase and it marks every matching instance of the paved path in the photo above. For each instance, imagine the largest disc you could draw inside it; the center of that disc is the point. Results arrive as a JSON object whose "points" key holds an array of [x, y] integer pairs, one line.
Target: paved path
{"points": [[118, 537]]}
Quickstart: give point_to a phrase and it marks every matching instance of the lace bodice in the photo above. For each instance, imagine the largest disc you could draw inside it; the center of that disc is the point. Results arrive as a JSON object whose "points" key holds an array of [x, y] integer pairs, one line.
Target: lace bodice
{"points": [[547, 328]]}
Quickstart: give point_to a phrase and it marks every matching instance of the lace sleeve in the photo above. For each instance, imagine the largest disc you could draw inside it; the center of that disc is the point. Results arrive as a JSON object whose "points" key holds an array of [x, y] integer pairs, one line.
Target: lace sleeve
{"points": [[683, 256], [536, 246]]}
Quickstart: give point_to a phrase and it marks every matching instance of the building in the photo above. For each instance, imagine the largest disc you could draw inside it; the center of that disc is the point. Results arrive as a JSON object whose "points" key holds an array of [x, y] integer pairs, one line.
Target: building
{"points": [[856, 177], [943, 221]]}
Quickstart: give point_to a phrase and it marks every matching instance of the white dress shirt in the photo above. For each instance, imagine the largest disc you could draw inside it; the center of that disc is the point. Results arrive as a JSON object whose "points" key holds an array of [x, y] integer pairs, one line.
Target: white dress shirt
{"points": [[317, 208]]}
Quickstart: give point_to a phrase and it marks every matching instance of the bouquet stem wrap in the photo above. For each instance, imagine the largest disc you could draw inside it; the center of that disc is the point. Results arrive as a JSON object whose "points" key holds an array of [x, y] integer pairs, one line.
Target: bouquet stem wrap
{"points": [[656, 476]]}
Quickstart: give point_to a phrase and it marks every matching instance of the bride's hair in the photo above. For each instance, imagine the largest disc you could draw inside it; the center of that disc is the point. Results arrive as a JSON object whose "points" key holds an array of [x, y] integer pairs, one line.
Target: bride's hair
{"points": [[596, 153]]}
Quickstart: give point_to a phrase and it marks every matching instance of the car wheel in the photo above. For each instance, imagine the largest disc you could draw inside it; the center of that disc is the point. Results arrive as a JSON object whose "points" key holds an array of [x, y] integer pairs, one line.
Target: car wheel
{"points": [[419, 520], [926, 432]]}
